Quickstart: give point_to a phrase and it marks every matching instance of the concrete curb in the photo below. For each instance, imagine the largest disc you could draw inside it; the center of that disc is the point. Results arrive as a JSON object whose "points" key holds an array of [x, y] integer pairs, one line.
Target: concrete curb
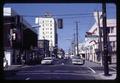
{"points": [[11, 70], [101, 76]]}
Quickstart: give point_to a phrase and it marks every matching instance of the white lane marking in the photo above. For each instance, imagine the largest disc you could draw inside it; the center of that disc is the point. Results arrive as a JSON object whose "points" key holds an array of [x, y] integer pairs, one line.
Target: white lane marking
{"points": [[92, 70], [27, 78]]}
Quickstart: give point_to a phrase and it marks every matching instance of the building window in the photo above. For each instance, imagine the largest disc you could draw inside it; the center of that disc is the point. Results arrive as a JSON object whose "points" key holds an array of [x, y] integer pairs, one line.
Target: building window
{"points": [[111, 29], [47, 36], [50, 28], [51, 36], [46, 24], [47, 32], [50, 32], [113, 43]]}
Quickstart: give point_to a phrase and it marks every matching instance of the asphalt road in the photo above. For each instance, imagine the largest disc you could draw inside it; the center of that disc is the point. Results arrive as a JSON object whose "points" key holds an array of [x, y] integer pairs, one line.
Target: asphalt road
{"points": [[62, 70], [53, 72]]}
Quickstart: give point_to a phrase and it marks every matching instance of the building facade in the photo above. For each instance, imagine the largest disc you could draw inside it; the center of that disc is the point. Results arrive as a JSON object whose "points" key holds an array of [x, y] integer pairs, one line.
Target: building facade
{"points": [[43, 45], [47, 29], [92, 40], [18, 37]]}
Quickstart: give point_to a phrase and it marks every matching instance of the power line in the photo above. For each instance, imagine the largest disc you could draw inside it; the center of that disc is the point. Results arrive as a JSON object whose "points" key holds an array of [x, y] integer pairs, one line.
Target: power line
{"points": [[81, 14], [63, 16]]}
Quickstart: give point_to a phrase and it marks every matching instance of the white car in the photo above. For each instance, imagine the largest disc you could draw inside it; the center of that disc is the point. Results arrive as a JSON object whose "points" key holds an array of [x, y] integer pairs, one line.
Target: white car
{"points": [[77, 61], [47, 60]]}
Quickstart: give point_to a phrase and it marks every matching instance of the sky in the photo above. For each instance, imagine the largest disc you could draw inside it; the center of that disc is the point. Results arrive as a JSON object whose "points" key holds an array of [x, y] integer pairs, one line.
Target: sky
{"points": [[70, 13]]}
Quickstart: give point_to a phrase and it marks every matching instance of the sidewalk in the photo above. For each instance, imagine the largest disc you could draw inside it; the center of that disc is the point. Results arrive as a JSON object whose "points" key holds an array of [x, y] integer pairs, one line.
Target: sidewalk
{"points": [[93, 64], [11, 70], [113, 66], [100, 71], [112, 76], [13, 67]]}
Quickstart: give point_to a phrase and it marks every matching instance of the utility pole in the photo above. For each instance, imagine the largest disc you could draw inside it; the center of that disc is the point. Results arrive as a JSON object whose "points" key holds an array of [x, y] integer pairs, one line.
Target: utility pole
{"points": [[74, 45], [100, 35], [77, 36], [105, 41]]}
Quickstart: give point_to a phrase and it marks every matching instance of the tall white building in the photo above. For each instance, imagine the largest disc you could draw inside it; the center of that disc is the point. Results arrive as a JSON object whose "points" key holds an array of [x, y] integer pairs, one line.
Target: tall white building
{"points": [[47, 29]]}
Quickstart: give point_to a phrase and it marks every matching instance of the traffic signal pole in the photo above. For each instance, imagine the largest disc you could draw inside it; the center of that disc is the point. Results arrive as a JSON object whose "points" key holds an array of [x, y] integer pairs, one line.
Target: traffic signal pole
{"points": [[105, 41]]}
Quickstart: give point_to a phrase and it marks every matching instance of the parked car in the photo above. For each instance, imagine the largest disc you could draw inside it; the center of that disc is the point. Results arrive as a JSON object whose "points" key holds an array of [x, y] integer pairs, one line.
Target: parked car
{"points": [[77, 61], [47, 60]]}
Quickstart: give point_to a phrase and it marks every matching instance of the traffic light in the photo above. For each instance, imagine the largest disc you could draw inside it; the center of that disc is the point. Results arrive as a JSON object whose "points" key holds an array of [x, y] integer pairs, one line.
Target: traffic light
{"points": [[60, 23]]}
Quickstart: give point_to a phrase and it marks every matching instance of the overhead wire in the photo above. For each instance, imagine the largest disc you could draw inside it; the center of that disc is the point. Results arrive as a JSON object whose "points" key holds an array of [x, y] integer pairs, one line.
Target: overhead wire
{"points": [[67, 15]]}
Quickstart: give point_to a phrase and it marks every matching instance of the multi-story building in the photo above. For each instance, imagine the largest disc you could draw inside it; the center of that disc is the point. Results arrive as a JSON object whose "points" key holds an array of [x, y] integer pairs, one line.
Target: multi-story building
{"points": [[92, 41], [47, 29]]}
